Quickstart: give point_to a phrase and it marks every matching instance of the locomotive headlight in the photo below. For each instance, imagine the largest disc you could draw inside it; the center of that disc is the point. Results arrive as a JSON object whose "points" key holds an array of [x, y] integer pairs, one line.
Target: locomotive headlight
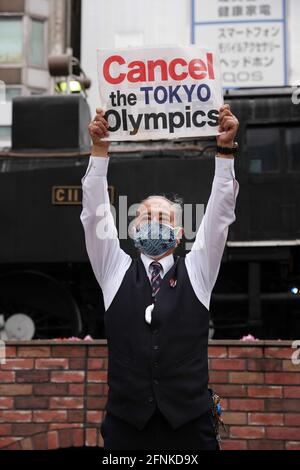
{"points": [[294, 290]]}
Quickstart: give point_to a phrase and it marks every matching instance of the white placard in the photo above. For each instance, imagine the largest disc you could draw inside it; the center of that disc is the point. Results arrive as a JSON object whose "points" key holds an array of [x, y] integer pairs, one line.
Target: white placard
{"points": [[160, 93]]}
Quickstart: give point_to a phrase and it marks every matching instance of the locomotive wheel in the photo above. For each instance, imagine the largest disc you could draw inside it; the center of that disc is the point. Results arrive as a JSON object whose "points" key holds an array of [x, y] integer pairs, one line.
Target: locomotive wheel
{"points": [[29, 297]]}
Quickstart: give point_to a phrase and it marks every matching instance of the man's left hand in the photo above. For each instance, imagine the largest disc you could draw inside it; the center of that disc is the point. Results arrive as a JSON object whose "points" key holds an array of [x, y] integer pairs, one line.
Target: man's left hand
{"points": [[229, 125]]}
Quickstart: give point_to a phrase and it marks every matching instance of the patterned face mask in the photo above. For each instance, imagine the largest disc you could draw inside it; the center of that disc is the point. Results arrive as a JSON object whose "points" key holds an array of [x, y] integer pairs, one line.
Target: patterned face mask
{"points": [[154, 238]]}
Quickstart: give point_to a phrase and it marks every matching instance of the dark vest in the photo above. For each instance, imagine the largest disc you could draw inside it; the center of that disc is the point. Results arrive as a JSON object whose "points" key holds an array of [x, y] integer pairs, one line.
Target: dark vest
{"points": [[163, 364]]}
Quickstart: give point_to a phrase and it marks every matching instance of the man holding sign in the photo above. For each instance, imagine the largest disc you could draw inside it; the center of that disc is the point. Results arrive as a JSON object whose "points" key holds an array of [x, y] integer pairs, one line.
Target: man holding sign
{"points": [[157, 306]]}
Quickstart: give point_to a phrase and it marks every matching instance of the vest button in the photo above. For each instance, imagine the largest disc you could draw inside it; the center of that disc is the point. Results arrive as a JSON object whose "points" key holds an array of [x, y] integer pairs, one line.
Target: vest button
{"points": [[155, 332], [155, 381], [156, 347], [150, 399], [155, 364]]}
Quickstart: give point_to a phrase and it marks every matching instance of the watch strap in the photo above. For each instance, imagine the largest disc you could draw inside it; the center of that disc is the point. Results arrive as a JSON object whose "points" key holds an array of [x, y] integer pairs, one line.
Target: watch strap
{"points": [[228, 150]]}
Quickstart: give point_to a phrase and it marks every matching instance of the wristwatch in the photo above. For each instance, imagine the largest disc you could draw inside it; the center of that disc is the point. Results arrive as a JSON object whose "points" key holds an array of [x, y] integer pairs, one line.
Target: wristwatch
{"points": [[228, 150]]}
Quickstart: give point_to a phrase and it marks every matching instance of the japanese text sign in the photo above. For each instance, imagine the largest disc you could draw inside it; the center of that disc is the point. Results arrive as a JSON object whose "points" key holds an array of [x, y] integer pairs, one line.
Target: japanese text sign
{"points": [[250, 36]]}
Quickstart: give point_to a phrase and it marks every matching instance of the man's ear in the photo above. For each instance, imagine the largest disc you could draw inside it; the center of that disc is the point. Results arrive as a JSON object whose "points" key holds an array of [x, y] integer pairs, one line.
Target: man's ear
{"points": [[179, 232], [179, 235]]}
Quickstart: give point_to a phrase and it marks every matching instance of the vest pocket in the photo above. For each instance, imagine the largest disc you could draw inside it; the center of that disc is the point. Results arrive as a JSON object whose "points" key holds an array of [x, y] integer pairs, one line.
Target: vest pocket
{"points": [[119, 356], [187, 357]]}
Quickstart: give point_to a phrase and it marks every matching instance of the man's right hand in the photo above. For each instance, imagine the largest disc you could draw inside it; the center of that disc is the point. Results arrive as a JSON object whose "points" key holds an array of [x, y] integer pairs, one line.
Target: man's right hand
{"points": [[98, 130]]}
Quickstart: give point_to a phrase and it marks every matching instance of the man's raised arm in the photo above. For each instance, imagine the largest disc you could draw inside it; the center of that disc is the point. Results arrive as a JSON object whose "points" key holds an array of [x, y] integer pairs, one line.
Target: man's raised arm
{"points": [[203, 261], [108, 260]]}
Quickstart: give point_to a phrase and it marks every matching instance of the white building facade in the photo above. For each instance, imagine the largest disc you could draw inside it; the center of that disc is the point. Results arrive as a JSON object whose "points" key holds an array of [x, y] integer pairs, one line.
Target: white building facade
{"points": [[121, 23]]}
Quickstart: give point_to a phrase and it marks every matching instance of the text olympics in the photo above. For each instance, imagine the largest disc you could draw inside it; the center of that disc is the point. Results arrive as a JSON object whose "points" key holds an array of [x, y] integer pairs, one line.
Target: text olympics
{"points": [[171, 121]]}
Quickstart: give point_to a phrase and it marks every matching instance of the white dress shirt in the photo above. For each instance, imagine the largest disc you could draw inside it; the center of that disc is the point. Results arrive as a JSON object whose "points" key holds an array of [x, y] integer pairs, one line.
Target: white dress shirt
{"points": [[110, 262]]}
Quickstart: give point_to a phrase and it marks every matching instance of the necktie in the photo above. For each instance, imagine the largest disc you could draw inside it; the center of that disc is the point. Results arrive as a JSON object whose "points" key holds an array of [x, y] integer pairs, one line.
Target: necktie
{"points": [[155, 277]]}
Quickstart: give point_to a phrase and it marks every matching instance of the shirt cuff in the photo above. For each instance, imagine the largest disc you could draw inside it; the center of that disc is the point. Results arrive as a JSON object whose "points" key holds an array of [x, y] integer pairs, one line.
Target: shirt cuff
{"points": [[97, 166], [224, 167]]}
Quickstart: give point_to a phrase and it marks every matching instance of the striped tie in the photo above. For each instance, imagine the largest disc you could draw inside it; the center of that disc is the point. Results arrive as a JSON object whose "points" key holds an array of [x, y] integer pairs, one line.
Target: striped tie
{"points": [[155, 277]]}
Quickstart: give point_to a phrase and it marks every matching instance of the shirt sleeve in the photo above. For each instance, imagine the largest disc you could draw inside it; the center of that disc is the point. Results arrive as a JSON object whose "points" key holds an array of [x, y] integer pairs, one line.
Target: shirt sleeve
{"points": [[108, 260], [204, 259]]}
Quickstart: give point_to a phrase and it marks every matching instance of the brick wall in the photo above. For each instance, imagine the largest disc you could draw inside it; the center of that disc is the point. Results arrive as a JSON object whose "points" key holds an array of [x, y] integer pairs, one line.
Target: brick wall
{"points": [[53, 394]]}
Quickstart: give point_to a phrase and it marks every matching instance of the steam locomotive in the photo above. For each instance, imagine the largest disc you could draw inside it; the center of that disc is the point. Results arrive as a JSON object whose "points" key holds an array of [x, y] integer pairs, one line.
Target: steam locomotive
{"points": [[47, 287]]}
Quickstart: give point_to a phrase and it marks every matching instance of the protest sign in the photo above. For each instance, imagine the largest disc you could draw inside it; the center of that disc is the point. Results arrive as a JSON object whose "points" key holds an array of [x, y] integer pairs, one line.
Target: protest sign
{"points": [[160, 93]]}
